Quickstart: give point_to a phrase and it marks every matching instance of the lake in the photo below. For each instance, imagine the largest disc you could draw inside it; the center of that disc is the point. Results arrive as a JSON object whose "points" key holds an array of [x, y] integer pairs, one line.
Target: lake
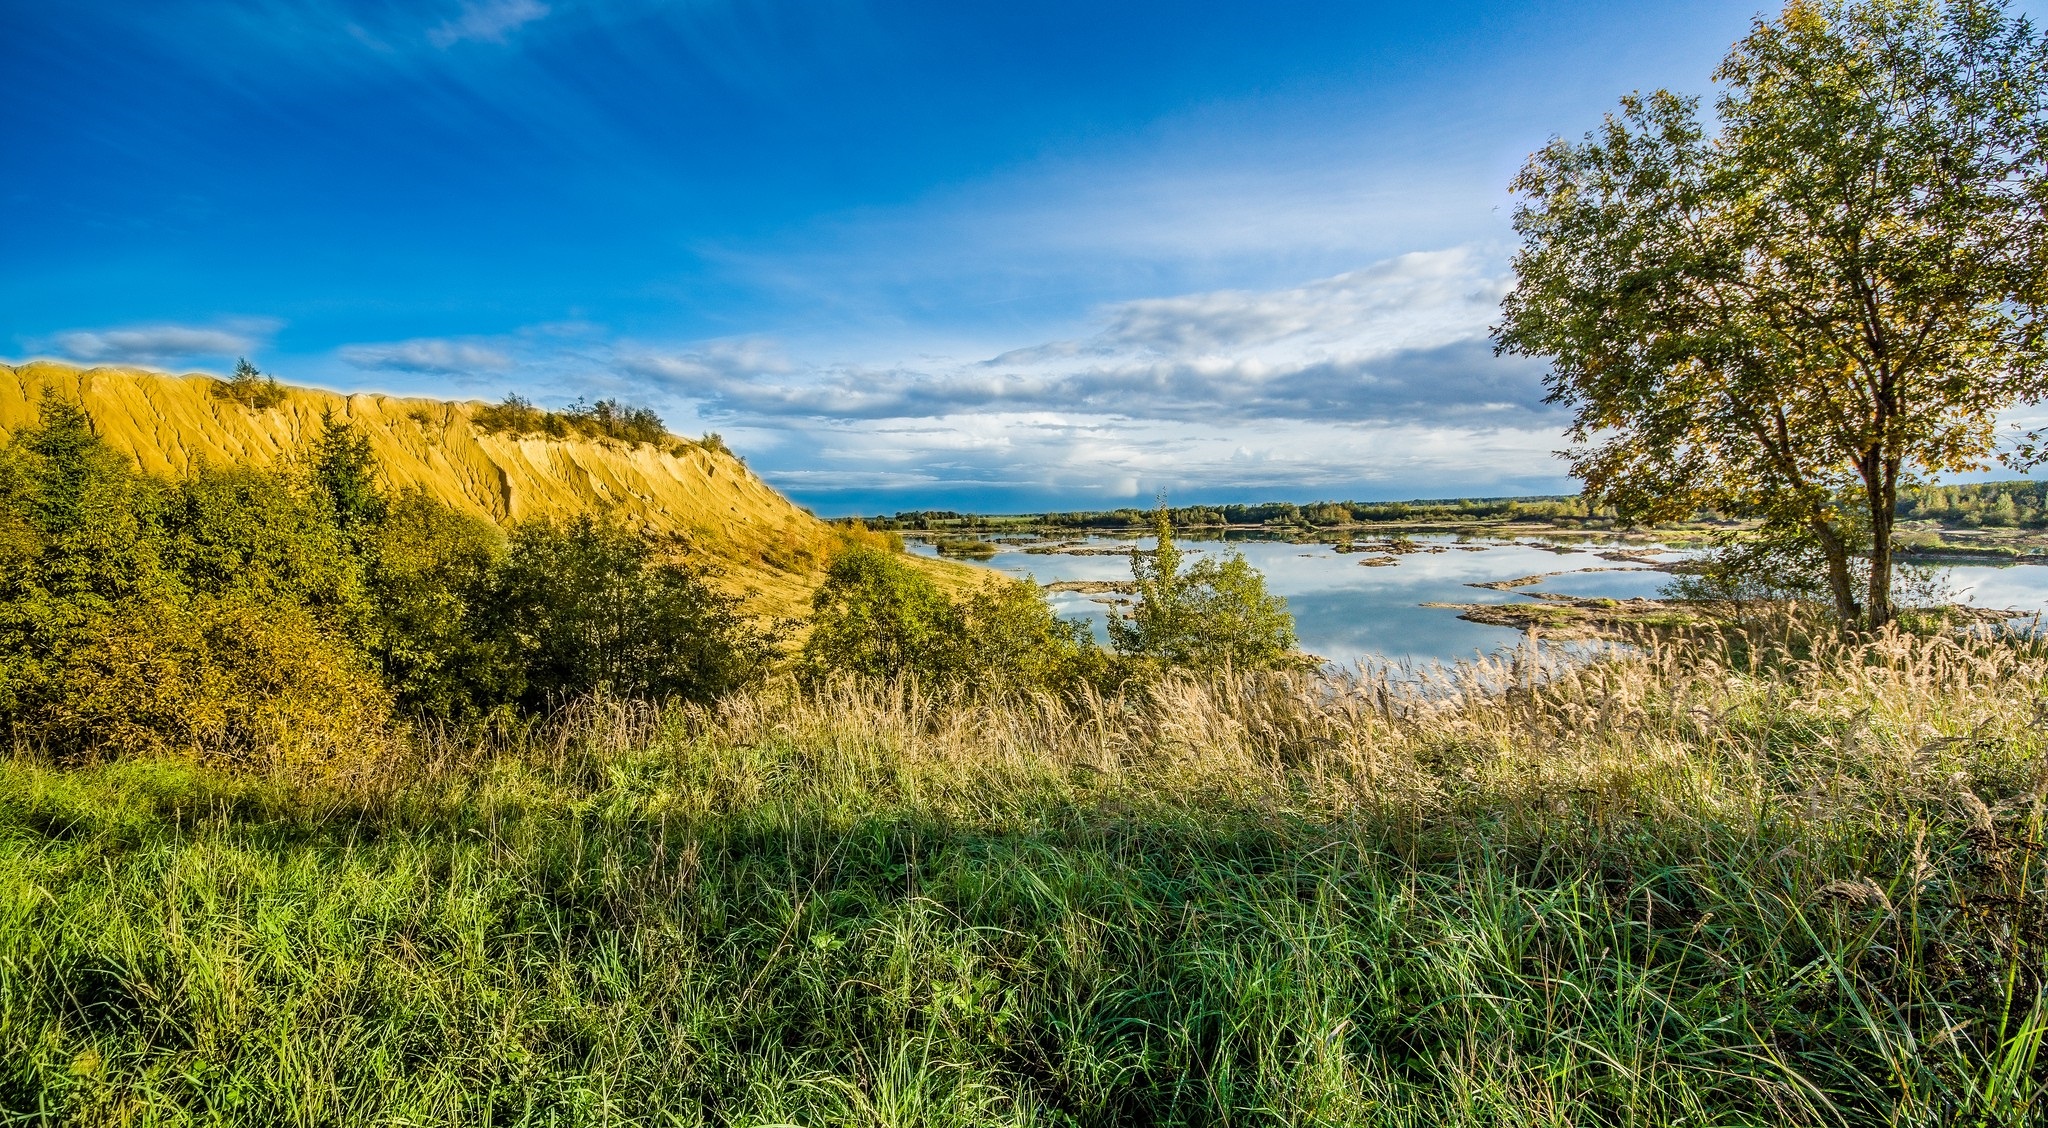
{"points": [[1349, 613]]}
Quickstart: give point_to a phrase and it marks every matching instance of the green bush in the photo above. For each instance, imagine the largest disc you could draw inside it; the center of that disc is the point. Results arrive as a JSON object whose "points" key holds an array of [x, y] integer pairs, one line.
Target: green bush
{"points": [[432, 571], [585, 607], [243, 532], [877, 617], [251, 388], [1014, 639], [1210, 614], [220, 680]]}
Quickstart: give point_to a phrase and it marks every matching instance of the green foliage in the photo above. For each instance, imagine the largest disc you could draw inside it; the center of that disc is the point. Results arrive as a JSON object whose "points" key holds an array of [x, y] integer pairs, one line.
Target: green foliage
{"points": [[239, 613], [605, 419], [262, 537], [344, 472], [586, 607], [1014, 640], [224, 679], [432, 571], [876, 617], [1836, 290], [251, 388], [1209, 614], [215, 617], [1992, 505]]}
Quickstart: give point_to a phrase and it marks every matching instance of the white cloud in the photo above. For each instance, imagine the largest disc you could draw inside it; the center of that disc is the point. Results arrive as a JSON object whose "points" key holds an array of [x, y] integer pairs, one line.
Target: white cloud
{"points": [[1375, 382], [1400, 341], [486, 21], [430, 355], [146, 344]]}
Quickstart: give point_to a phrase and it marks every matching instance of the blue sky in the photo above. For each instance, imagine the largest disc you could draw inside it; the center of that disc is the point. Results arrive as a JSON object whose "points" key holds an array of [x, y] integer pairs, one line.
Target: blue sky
{"points": [[909, 255]]}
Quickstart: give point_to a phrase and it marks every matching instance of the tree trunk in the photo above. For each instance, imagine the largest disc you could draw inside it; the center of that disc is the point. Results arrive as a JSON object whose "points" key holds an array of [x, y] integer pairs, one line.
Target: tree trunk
{"points": [[1881, 492], [1839, 582]]}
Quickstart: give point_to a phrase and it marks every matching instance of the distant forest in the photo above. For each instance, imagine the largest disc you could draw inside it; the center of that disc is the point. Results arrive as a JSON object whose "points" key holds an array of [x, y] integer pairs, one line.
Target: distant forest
{"points": [[1996, 505]]}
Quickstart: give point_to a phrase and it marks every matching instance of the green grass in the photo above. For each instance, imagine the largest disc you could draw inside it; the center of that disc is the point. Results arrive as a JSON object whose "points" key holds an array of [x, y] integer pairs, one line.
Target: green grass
{"points": [[1660, 890]]}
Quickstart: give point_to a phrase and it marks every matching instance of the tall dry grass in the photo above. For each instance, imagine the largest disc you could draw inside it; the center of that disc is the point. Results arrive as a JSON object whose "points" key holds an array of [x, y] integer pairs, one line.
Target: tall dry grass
{"points": [[1772, 879]]}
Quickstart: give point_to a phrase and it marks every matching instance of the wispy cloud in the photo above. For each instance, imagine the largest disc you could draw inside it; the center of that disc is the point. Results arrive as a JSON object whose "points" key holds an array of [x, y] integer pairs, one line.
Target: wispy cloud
{"points": [[427, 355], [486, 21], [153, 344], [1398, 342], [1375, 381]]}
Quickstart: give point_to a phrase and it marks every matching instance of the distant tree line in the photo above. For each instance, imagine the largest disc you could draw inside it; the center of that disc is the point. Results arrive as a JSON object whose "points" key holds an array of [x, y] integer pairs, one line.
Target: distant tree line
{"points": [[2014, 504], [1991, 505], [1273, 514]]}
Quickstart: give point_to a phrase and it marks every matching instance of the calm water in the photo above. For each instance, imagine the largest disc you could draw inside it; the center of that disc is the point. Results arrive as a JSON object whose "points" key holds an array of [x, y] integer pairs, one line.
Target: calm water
{"points": [[1349, 613]]}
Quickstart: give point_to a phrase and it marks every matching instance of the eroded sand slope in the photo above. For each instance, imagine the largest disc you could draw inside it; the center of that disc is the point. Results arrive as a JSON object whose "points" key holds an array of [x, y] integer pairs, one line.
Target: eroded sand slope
{"points": [[768, 548]]}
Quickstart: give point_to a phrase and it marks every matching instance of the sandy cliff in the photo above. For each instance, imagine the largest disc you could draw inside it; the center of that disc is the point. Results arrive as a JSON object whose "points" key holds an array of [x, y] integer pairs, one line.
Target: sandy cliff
{"points": [[769, 548]]}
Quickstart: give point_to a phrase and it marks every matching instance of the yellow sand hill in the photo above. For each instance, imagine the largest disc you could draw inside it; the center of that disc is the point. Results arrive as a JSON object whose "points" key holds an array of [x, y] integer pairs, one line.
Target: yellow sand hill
{"points": [[769, 549]]}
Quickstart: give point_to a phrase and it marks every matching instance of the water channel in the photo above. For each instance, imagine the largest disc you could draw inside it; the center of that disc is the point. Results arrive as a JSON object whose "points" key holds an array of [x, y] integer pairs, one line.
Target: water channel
{"points": [[1349, 613]]}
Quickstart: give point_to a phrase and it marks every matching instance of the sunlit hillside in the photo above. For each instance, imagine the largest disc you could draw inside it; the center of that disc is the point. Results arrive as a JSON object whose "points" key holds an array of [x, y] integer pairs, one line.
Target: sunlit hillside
{"points": [[769, 549]]}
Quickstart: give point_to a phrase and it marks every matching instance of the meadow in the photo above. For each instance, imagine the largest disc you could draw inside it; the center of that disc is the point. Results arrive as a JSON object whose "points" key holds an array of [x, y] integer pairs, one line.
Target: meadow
{"points": [[1768, 880]]}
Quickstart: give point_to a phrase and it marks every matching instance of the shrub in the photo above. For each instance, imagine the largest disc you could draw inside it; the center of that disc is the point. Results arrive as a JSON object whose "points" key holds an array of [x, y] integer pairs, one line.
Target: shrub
{"points": [[221, 680], [586, 608], [875, 616], [251, 388], [1211, 614], [256, 535], [514, 415], [1014, 639], [431, 570], [969, 548], [605, 419], [610, 419]]}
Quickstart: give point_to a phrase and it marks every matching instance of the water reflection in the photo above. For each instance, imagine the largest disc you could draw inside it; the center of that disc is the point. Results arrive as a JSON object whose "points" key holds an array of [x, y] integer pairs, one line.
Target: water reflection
{"points": [[1352, 614]]}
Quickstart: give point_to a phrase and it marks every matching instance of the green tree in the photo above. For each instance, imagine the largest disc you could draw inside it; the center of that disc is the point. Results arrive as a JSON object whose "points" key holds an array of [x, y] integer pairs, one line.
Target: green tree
{"points": [[430, 570], [343, 468], [264, 537], [251, 388], [1835, 291], [1209, 614], [586, 607], [876, 616]]}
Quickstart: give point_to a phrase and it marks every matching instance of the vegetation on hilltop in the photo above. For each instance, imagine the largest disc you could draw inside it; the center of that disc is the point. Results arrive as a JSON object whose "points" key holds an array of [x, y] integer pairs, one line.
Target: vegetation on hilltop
{"points": [[605, 419], [250, 388]]}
